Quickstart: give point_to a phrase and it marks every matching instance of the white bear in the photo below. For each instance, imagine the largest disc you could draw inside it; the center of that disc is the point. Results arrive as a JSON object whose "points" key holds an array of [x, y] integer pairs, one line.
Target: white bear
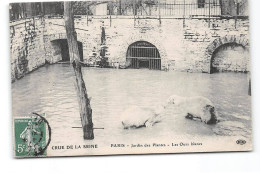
{"points": [[137, 117], [195, 108]]}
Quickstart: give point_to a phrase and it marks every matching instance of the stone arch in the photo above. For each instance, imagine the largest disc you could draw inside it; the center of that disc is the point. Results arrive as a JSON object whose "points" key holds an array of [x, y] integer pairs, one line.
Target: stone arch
{"points": [[149, 39], [217, 43], [142, 54], [59, 50]]}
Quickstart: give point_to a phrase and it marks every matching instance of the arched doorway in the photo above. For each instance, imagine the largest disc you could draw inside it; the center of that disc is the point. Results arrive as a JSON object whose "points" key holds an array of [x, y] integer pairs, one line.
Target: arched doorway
{"points": [[62, 49], [229, 57], [142, 54]]}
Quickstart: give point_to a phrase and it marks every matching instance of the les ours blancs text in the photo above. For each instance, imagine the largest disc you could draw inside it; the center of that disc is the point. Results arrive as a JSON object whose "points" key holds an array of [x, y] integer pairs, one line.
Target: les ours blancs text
{"points": [[181, 144], [94, 146]]}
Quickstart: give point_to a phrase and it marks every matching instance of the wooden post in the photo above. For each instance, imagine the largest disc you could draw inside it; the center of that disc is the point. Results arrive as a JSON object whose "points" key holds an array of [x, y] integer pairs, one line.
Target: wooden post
{"points": [[84, 102]]}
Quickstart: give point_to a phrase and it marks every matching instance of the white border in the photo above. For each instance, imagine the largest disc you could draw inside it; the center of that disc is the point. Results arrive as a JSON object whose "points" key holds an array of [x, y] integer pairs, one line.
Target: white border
{"points": [[217, 163]]}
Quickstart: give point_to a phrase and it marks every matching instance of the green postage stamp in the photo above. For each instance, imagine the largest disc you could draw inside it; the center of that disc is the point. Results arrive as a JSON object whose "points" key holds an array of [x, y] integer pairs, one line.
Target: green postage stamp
{"points": [[30, 136]]}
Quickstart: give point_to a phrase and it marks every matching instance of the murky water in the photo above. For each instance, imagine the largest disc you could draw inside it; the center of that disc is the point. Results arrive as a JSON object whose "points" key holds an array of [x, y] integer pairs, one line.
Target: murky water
{"points": [[51, 90]]}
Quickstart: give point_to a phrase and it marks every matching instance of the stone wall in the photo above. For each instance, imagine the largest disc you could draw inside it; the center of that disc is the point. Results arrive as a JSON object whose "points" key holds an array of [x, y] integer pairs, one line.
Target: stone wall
{"points": [[26, 46], [201, 41], [183, 44]]}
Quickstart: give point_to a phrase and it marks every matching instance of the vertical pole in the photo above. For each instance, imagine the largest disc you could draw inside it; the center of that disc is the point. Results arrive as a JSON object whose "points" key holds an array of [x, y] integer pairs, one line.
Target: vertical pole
{"points": [[159, 9], [209, 12], [249, 87], [134, 12], [83, 100], [237, 13], [141, 9], [110, 13], [33, 22], [184, 11], [154, 53], [42, 9], [150, 10], [87, 14], [120, 8], [134, 8], [110, 20]]}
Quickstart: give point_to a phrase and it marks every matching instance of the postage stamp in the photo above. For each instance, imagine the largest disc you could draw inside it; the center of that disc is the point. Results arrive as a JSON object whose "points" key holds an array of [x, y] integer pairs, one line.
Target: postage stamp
{"points": [[30, 136]]}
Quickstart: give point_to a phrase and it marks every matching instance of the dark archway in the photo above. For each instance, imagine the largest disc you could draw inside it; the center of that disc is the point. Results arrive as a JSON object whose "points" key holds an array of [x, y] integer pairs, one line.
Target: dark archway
{"points": [[142, 54], [62, 49], [229, 57]]}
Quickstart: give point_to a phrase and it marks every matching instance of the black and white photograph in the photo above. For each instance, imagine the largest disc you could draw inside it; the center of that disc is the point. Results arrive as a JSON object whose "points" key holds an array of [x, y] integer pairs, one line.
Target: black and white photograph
{"points": [[124, 77]]}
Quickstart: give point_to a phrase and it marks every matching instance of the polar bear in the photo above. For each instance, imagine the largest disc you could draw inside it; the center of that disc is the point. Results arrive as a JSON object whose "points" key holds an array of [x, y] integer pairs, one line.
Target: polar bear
{"points": [[137, 117], [195, 108]]}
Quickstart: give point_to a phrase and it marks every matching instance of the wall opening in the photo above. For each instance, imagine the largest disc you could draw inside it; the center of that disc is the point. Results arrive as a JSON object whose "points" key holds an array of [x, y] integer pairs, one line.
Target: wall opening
{"points": [[230, 57], [143, 54], [62, 49]]}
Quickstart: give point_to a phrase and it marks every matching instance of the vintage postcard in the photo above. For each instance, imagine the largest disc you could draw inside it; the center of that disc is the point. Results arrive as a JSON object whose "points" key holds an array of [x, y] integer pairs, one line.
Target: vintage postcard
{"points": [[130, 77]]}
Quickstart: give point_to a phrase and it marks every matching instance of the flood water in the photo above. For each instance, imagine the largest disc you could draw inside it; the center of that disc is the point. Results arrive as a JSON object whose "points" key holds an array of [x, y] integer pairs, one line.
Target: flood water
{"points": [[51, 90]]}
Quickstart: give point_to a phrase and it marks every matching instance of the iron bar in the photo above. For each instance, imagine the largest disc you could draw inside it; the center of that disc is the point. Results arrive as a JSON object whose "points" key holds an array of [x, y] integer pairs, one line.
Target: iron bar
{"points": [[195, 8], [141, 52], [209, 12]]}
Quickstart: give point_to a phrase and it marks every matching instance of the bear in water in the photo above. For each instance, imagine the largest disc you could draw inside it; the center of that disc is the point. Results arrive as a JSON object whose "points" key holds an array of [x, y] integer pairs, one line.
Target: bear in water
{"points": [[195, 108], [136, 117]]}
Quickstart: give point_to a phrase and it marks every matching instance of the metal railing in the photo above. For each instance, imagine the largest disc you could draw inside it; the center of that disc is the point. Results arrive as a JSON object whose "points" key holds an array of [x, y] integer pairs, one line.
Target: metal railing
{"points": [[172, 8], [175, 8]]}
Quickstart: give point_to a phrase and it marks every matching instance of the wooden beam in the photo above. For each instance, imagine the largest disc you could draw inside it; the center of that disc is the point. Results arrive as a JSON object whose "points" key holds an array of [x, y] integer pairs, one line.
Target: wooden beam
{"points": [[83, 100]]}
